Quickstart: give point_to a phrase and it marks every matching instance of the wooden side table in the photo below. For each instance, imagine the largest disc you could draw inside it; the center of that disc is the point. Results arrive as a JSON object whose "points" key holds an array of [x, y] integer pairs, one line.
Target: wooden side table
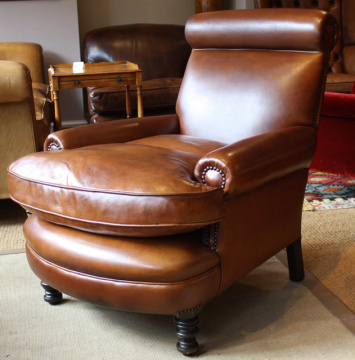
{"points": [[95, 75]]}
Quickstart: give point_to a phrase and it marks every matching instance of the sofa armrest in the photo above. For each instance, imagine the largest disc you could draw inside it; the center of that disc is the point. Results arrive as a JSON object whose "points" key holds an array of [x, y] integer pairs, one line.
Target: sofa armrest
{"points": [[116, 131], [15, 82], [250, 163]]}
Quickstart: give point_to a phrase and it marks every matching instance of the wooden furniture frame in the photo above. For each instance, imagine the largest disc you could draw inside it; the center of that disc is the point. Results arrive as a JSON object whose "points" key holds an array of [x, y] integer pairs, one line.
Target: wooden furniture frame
{"points": [[95, 74]]}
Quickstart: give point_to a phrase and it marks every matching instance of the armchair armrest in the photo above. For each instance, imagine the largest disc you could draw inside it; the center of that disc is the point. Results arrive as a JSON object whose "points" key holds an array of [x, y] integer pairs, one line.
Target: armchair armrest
{"points": [[250, 163], [15, 82], [112, 132]]}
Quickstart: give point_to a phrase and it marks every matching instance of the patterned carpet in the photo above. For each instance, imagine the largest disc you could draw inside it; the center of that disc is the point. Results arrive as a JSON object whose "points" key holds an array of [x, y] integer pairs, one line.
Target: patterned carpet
{"points": [[327, 191]]}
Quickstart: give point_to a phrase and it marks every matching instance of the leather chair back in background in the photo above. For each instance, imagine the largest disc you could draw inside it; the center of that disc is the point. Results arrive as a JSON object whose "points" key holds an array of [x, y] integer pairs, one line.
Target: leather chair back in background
{"points": [[160, 50]]}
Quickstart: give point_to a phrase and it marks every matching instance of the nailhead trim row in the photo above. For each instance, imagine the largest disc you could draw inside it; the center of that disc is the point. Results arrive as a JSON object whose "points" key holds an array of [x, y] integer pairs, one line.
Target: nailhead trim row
{"points": [[214, 168], [53, 145], [207, 232], [192, 310]]}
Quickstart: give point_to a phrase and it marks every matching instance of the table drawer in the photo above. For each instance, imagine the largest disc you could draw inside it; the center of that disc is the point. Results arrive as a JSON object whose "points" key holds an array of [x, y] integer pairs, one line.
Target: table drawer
{"points": [[78, 82]]}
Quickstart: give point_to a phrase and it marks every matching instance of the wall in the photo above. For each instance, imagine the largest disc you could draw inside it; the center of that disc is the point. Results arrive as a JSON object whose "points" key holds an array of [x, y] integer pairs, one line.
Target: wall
{"points": [[94, 14], [54, 25], [240, 4]]}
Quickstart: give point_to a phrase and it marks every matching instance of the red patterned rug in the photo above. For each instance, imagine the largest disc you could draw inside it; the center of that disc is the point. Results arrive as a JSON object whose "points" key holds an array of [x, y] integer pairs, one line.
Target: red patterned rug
{"points": [[325, 191]]}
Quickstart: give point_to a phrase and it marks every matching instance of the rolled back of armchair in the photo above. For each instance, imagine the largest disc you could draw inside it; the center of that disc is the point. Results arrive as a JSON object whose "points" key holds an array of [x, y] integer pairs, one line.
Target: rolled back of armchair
{"points": [[160, 50], [233, 30]]}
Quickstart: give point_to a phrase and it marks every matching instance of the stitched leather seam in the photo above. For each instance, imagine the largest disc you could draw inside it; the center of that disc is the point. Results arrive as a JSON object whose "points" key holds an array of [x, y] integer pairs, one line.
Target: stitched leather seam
{"points": [[115, 225], [202, 193]]}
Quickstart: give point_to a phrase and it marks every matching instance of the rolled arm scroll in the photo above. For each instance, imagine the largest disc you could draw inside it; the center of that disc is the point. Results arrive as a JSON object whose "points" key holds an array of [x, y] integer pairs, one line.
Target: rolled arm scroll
{"points": [[250, 163], [118, 131]]}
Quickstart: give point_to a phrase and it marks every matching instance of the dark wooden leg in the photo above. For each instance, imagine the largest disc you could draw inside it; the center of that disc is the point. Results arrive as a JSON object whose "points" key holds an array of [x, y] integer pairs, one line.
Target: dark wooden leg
{"points": [[51, 296], [186, 331], [128, 101], [295, 261]]}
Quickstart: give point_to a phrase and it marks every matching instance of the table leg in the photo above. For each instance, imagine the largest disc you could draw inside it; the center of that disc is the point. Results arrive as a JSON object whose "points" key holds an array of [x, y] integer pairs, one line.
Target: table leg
{"points": [[128, 101], [57, 119], [139, 101]]}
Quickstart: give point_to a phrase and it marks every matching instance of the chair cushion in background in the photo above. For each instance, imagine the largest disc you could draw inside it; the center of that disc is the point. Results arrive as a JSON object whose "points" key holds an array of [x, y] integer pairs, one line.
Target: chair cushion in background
{"points": [[162, 94], [336, 147]]}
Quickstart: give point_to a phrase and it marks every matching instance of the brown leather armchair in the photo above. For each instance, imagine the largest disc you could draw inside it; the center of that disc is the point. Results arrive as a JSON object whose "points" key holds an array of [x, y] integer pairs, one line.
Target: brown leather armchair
{"points": [[160, 50], [25, 108], [341, 72], [162, 214]]}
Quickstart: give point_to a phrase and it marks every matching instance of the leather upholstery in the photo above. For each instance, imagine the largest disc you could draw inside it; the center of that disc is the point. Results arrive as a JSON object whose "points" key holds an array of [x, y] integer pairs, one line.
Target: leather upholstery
{"points": [[161, 51], [181, 271], [84, 194], [243, 137], [341, 71]]}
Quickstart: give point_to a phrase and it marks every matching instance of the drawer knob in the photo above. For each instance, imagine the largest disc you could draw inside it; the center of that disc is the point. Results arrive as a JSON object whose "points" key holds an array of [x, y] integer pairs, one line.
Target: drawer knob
{"points": [[118, 79], [76, 82]]}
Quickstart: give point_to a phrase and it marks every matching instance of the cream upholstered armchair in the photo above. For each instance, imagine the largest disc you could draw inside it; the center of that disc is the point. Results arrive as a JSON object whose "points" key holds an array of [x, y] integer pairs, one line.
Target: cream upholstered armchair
{"points": [[25, 107], [163, 214], [341, 68]]}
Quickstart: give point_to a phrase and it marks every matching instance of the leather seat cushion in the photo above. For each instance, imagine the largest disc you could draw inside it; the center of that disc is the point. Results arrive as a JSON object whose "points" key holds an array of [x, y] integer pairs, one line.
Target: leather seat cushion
{"points": [[156, 94], [175, 258], [130, 189]]}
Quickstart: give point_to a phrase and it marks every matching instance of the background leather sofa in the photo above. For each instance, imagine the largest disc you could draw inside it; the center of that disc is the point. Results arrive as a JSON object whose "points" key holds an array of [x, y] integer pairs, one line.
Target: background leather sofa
{"points": [[161, 51], [25, 107], [341, 71]]}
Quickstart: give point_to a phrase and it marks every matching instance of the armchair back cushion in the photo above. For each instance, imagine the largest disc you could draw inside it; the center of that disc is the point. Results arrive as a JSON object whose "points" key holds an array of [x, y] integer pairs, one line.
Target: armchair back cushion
{"points": [[237, 83], [29, 54]]}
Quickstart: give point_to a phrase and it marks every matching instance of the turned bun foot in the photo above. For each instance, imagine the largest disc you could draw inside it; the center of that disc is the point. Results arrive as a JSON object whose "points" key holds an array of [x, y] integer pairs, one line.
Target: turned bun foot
{"points": [[186, 331], [51, 296]]}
